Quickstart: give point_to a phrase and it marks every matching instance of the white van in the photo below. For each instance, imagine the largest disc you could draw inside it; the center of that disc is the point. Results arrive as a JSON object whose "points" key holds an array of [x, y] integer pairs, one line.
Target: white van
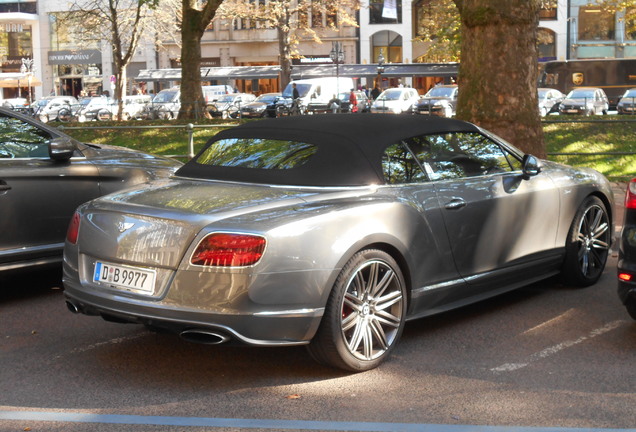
{"points": [[318, 90]]}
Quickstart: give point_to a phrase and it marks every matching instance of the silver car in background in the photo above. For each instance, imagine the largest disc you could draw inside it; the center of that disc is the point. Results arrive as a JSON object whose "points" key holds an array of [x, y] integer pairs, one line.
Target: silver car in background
{"points": [[45, 175], [332, 231]]}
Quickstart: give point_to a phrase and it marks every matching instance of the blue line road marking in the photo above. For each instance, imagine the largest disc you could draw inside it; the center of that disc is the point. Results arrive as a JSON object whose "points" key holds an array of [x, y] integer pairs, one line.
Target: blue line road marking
{"points": [[77, 417]]}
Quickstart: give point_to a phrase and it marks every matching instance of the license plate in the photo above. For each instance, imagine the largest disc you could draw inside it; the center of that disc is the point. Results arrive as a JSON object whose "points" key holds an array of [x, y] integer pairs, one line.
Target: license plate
{"points": [[124, 276], [573, 111]]}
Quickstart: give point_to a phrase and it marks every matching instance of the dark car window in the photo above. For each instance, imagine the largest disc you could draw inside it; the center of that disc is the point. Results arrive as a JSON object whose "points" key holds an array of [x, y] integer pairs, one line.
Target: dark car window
{"points": [[257, 153], [19, 139], [458, 155], [400, 167]]}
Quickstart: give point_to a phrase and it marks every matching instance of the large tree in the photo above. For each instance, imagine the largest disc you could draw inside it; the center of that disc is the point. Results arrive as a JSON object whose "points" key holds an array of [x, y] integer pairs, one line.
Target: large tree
{"points": [[196, 16], [293, 20], [121, 22], [499, 69]]}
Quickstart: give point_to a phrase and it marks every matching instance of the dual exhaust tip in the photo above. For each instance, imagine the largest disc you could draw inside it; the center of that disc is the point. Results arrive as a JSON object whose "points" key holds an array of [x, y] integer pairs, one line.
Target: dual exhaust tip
{"points": [[201, 336]]}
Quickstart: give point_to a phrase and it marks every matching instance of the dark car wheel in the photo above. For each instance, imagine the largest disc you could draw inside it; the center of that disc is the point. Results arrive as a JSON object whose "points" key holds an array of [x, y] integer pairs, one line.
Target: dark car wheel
{"points": [[630, 305], [588, 244], [365, 314]]}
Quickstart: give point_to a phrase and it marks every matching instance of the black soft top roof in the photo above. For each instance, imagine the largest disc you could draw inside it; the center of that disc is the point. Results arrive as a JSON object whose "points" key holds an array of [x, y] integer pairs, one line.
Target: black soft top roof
{"points": [[350, 147]]}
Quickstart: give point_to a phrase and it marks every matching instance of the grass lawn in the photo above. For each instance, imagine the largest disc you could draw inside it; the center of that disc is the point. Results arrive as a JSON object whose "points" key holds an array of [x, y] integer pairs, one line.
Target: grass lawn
{"points": [[568, 141]]}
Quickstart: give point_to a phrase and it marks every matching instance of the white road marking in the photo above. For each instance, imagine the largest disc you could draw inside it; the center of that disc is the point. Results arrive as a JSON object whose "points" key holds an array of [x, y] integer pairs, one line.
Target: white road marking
{"points": [[509, 367]]}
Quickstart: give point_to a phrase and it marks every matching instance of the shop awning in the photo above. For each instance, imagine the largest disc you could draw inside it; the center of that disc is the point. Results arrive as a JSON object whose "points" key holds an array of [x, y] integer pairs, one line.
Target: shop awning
{"points": [[307, 71], [16, 79]]}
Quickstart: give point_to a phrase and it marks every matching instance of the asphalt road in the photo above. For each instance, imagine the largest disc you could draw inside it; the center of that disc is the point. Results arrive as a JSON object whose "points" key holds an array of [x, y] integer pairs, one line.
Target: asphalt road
{"points": [[545, 356]]}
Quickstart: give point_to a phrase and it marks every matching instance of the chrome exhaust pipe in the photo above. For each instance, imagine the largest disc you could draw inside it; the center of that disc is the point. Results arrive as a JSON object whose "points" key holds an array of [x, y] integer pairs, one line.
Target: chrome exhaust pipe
{"points": [[72, 307], [204, 337]]}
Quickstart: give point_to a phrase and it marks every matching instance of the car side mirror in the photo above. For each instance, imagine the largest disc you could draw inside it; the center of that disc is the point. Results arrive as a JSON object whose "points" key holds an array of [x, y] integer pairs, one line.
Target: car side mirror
{"points": [[61, 149], [531, 166]]}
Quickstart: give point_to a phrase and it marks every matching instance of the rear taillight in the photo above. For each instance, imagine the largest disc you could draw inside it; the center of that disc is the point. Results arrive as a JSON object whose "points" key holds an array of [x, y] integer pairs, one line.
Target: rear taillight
{"points": [[630, 196], [626, 277], [228, 250], [73, 229]]}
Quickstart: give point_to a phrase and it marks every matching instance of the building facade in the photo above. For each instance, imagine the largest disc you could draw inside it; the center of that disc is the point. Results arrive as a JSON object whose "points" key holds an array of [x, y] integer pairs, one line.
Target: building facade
{"points": [[37, 50]]}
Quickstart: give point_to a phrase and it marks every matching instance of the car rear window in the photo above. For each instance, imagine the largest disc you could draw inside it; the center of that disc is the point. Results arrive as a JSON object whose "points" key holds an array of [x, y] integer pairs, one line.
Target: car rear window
{"points": [[269, 154]]}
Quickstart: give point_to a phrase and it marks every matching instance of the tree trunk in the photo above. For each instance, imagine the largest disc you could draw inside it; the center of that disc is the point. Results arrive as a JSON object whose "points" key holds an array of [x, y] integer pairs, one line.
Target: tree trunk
{"points": [[192, 102], [120, 90], [499, 69], [284, 50]]}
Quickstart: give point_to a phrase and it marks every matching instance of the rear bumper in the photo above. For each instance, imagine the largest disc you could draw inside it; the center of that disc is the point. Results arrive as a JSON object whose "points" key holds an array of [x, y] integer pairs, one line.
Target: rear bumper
{"points": [[265, 328]]}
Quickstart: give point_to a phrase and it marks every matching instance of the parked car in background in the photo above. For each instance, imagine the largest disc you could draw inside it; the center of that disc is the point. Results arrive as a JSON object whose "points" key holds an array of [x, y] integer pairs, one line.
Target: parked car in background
{"points": [[229, 105], [332, 231], [585, 101], [396, 101], [262, 106], [93, 108], [441, 101], [45, 175], [16, 104], [549, 100], [627, 253], [212, 93], [343, 104], [627, 102], [165, 105], [47, 108]]}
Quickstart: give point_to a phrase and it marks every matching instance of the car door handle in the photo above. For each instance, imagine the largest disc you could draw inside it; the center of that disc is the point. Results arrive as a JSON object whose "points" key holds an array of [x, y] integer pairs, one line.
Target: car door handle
{"points": [[455, 203], [4, 187]]}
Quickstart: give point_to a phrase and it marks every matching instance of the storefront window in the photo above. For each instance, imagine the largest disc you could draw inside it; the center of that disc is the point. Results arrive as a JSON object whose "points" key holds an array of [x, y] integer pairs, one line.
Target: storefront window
{"points": [[546, 44], [385, 12], [548, 10], [596, 24]]}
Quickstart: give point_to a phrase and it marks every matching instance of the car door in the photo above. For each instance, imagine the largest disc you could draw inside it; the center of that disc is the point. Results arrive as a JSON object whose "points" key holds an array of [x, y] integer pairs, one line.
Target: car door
{"points": [[37, 195], [498, 224]]}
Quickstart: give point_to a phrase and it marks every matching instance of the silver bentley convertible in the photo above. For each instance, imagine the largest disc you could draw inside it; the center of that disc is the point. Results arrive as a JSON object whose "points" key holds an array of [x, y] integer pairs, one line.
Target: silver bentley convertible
{"points": [[333, 231]]}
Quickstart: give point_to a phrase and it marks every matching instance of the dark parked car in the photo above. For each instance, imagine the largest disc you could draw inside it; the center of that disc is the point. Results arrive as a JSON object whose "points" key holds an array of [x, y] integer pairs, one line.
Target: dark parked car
{"points": [[549, 100], [627, 102], [585, 101], [263, 106], [332, 231], [441, 101], [45, 175], [627, 253]]}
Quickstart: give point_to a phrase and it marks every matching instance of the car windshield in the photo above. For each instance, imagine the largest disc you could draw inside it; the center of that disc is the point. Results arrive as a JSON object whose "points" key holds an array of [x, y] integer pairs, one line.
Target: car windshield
{"points": [[226, 98], [543, 94], [266, 98], [581, 94], [165, 96], [630, 93], [440, 92], [390, 95], [268, 154]]}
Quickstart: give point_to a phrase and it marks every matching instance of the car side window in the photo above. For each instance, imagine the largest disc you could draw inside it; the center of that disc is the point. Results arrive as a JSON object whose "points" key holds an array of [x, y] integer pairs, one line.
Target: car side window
{"points": [[19, 139], [400, 167], [459, 155]]}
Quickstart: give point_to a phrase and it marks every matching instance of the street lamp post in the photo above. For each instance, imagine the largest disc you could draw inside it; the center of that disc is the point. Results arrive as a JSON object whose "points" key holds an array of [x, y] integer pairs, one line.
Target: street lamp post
{"points": [[381, 60], [27, 69], [337, 56]]}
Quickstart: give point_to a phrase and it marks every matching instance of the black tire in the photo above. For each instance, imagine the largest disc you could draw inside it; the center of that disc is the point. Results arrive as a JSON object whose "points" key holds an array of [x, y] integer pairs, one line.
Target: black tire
{"points": [[630, 305], [104, 115], [64, 115], [365, 314], [588, 244]]}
